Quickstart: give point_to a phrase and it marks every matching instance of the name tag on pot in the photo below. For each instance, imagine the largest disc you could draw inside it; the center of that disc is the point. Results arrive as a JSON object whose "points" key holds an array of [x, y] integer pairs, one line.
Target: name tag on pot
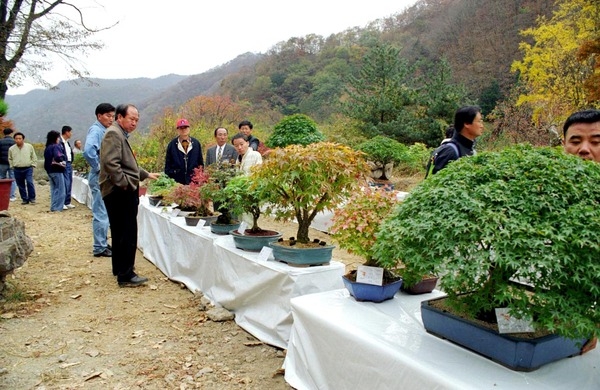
{"points": [[242, 228], [201, 223], [265, 254], [510, 324], [369, 275]]}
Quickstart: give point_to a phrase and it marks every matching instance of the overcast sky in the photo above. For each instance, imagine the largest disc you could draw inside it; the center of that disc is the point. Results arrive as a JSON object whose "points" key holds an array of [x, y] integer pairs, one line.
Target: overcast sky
{"points": [[188, 37]]}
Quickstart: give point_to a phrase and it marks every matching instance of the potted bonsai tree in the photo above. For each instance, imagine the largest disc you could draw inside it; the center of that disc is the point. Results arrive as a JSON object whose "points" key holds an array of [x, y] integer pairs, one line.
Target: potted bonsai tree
{"points": [[353, 227], [243, 195], [159, 188], [301, 181], [382, 153], [190, 200], [514, 230], [220, 174]]}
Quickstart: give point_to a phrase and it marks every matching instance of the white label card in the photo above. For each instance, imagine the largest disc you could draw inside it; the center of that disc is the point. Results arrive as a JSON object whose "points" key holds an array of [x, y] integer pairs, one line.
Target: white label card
{"points": [[369, 275], [510, 324], [201, 223], [242, 228], [265, 253]]}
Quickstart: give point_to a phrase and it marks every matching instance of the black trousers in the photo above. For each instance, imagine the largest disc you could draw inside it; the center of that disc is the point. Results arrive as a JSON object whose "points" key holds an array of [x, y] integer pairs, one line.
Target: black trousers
{"points": [[122, 209]]}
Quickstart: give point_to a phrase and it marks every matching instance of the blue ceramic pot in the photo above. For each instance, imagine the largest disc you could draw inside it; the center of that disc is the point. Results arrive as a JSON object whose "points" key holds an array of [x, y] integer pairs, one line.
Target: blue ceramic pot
{"points": [[363, 292]]}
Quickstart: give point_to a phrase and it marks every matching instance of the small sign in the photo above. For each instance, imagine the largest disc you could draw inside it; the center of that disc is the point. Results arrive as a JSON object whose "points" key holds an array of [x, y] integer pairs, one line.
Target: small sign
{"points": [[369, 275], [242, 228], [510, 324], [201, 223], [265, 254]]}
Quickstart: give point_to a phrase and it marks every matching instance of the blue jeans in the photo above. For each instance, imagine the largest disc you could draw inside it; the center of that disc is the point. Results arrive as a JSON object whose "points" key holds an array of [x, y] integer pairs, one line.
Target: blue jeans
{"points": [[57, 191], [24, 179], [100, 217], [7, 173], [68, 178]]}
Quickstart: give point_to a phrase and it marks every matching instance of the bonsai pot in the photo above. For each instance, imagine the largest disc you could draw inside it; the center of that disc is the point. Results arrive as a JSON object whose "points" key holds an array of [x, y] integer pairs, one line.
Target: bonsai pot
{"points": [[223, 228], [252, 241], [516, 353], [318, 255], [364, 292], [154, 200], [192, 220], [425, 286]]}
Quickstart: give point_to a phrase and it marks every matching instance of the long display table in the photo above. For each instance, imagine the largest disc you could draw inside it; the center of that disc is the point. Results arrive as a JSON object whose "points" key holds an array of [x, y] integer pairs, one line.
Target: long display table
{"points": [[339, 343], [257, 291]]}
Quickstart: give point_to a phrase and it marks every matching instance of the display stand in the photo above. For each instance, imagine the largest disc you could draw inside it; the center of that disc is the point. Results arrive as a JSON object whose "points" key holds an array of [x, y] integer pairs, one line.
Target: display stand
{"points": [[339, 343]]}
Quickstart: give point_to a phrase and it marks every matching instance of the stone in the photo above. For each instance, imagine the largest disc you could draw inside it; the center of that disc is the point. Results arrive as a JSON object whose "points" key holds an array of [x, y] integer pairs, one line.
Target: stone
{"points": [[15, 245], [219, 314]]}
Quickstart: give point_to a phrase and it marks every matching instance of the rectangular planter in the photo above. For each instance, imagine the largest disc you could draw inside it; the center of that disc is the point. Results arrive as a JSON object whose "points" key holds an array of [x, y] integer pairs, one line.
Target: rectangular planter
{"points": [[516, 353]]}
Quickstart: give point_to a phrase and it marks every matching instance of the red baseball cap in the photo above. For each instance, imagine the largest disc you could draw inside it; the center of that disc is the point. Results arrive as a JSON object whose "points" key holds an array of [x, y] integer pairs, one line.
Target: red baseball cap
{"points": [[183, 123]]}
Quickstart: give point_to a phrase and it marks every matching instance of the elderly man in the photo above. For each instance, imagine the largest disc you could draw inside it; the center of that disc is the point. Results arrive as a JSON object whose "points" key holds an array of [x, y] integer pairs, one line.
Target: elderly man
{"points": [[120, 177], [184, 154], [582, 134]]}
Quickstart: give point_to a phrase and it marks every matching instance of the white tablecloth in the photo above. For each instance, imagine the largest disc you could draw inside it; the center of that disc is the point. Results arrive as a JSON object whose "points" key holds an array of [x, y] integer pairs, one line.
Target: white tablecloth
{"points": [[81, 192], [258, 292], [339, 343]]}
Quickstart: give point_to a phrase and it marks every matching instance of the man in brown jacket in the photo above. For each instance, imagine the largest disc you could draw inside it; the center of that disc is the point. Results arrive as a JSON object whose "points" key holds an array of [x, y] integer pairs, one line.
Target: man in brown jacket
{"points": [[119, 181]]}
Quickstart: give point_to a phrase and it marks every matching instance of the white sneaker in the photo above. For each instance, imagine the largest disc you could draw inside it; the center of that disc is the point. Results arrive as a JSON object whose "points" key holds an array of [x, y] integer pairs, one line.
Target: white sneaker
{"points": [[70, 206], [13, 199], [65, 208]]}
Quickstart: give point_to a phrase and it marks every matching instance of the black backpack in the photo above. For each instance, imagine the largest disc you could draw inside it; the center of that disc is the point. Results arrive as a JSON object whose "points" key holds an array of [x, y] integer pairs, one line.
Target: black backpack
{"points": [[434, 154]]}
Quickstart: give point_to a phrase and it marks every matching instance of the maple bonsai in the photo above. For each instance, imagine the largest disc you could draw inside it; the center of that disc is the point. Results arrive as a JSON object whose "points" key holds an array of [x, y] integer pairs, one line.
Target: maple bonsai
{"points": [[513, 229], [301, 181]]}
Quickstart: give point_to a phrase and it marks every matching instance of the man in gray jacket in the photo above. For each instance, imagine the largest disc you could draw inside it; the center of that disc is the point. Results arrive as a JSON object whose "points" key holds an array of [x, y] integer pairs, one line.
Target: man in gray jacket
{"points": [[222, 151], [120, 178]]}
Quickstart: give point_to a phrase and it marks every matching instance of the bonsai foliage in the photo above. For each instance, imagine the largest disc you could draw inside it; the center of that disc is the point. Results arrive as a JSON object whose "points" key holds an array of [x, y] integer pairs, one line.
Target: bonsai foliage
{"points": [[383, 150], [80, 164], [189, 197], [301, 181], [243, 195], [524, 214], [219, 174], [162, 185], [297, 129], [354, 225]]}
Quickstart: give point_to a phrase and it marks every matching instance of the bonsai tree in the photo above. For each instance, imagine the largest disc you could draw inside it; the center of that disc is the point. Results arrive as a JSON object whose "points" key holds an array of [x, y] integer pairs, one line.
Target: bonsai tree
{"points": [[494, 222], [189, 197], [382, 151], [354, 225], [297, 129], [219, 175], [162, 185], [80, 164], [301, 181], [242, 194]]}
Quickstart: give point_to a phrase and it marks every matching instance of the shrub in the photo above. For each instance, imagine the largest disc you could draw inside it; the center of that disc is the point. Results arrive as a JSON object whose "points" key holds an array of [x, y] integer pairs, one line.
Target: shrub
{"points": [[297, 129]]}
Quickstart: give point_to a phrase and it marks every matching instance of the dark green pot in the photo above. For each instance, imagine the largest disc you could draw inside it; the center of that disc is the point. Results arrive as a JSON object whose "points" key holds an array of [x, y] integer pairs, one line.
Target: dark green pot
{"points": [[302, 256], [249, 242]]}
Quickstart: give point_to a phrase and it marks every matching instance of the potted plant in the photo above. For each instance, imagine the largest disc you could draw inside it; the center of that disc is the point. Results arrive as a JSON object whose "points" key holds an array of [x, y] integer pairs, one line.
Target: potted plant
{"points": [[516, 230], [190, 200], [159, 188], [302, 181], [382, 152], [353, 227], [220, 174], [80, 165], [243, 196]]}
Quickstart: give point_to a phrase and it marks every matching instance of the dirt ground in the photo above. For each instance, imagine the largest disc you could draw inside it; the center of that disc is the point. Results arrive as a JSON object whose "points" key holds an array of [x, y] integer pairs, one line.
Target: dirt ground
{"points": [[65, 324]]}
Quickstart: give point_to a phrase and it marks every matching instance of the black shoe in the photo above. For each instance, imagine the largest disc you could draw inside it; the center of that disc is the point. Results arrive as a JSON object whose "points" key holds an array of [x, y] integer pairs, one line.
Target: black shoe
{"points": [[105, 253], [134, 282], [108, 246], [32, 201], [25, 202]]}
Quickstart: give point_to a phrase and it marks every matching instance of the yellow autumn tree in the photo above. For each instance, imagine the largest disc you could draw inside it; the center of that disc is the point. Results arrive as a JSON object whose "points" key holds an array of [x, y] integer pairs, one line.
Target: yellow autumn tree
{"points": [[551, 69]]}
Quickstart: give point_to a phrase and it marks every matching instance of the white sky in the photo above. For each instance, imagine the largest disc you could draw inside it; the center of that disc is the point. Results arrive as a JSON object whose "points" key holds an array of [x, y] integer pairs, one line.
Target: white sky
{"points": [[185, 37]]}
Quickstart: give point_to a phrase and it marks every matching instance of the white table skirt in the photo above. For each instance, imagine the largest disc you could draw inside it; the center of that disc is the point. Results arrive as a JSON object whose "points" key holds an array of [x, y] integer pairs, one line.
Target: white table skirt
{"points": [[81, 192], [258, 292], [339, 343]]}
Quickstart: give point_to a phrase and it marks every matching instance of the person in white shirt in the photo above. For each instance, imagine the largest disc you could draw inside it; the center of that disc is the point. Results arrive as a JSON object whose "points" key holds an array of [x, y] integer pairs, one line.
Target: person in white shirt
{"points": [[247, 158]]}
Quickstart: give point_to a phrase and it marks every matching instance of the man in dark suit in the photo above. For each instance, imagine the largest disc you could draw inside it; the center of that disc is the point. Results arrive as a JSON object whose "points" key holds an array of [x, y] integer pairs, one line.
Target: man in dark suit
{"points": [[222, 151], [119, 180], [68, 172]]}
